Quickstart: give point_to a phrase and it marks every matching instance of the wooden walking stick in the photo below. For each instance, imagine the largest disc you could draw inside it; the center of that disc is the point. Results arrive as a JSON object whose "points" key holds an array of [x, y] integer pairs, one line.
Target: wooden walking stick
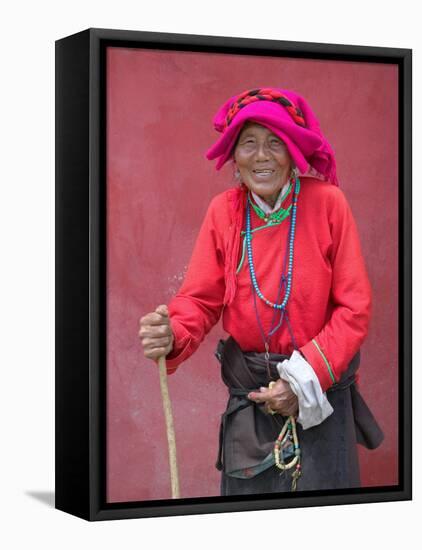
{"points": [[171, 438]]}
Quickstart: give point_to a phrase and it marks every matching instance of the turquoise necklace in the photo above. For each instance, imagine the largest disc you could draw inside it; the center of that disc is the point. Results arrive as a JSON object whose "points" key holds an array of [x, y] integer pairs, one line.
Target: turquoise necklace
{"points": [[290, 251]]}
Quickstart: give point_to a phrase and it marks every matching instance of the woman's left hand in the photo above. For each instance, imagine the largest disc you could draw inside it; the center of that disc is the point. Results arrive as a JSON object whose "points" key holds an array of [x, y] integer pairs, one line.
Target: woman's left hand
{"points": [[280, 398]]}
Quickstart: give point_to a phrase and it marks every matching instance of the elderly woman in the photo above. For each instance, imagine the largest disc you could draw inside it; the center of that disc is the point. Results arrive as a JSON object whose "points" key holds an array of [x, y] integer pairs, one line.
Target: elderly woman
{"points": [[278, 257]]}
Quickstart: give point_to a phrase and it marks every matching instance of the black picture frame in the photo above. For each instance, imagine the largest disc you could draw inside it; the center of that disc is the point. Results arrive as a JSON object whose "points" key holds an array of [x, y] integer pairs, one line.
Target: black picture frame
{"points": [[80, 272]]}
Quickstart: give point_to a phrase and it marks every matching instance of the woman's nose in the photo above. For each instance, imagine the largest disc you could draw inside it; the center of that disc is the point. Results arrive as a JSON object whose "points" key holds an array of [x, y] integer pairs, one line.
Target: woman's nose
{"points": [[262, 150]]}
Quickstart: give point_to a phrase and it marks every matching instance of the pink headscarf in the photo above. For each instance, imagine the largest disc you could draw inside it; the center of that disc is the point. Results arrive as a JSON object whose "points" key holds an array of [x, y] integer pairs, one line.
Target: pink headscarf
{"points": [[295, 124]]}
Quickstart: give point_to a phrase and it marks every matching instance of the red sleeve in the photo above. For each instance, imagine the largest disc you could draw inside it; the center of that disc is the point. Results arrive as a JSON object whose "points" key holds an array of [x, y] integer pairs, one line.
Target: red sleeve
{"points": [[197, 306], [330, 351]]}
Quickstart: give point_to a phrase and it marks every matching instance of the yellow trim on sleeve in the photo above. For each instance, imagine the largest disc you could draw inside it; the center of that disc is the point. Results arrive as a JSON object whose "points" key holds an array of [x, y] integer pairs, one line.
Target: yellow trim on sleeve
{"points": [[325, 360]]}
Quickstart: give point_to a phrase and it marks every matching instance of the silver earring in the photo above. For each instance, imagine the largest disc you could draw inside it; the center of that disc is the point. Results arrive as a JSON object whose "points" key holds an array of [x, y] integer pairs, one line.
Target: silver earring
{"points": [[294, 173], [238, 177]]}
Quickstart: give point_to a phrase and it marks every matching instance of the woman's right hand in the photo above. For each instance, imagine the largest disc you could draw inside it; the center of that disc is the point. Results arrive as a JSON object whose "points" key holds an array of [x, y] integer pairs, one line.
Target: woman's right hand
{"points": [[155, 333]]}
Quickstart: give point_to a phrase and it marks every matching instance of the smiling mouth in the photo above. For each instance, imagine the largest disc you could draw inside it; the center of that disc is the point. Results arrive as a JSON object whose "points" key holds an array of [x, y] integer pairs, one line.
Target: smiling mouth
{"points": [[263, 171], [263, 174]]}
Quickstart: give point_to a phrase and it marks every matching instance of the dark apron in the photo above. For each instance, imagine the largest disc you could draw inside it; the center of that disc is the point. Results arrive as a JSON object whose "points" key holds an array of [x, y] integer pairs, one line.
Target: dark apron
{"points": [[247, 433]]}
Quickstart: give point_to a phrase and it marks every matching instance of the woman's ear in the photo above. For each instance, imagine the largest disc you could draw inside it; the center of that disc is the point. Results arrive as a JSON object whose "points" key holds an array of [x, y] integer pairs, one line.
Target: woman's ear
{"points": [[236, 173]]}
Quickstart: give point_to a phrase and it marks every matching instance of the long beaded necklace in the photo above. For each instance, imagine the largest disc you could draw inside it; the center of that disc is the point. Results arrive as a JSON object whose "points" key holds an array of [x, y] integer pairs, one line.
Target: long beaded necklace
{"points": [[282, 305], [288, 431]]}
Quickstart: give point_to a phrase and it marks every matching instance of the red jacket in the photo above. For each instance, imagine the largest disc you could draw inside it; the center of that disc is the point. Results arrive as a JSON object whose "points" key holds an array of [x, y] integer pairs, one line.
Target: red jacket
{"points": [[329, 305]]}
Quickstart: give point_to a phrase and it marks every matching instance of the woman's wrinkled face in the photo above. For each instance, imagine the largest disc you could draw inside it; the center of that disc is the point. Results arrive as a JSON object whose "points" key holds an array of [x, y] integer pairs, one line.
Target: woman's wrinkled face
{"points": [[263, 161]]}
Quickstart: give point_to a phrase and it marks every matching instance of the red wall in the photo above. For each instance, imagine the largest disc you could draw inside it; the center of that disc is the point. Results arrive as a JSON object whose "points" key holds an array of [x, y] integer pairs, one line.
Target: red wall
{"points": [[159, 125]]}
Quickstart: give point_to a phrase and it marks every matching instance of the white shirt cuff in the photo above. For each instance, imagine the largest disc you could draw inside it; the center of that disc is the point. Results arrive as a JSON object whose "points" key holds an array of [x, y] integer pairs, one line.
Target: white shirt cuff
{"points": [[314, 406]]}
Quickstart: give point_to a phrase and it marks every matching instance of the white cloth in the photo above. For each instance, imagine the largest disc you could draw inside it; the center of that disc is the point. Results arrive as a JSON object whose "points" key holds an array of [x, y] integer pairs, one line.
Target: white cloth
{"points": [[265, 207], [314, 406]]}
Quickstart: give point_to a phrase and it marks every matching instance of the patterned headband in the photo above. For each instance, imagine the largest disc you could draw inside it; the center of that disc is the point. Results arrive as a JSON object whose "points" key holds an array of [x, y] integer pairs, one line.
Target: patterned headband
{"points": [[265, 94]]}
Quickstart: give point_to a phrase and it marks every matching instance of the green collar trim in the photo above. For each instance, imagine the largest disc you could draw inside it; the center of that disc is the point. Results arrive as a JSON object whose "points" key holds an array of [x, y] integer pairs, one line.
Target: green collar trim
{"points": [[278, 216]]}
